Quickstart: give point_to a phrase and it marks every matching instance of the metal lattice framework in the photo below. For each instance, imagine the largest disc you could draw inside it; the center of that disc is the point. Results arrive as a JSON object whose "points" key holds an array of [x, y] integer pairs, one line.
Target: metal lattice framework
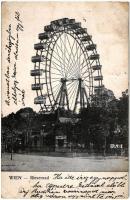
{"points": [[67, 70]]}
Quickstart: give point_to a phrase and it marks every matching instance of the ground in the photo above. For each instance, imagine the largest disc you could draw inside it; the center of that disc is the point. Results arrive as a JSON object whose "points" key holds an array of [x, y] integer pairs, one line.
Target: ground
{"points": [[25, 162]]}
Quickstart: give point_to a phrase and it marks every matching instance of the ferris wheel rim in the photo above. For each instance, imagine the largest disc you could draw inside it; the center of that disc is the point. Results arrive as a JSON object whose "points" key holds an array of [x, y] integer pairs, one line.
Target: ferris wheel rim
{"points": [[46, 64], [80, 44]]}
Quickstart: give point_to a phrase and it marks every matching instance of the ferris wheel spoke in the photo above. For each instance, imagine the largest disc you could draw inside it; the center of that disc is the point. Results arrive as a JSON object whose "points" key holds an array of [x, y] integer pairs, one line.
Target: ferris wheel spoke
{"points": [[64, 43], [70, 60], [61, 62], [71, 54], [55, 73], [68, 83], [55, 81], [92, 72], [73, 94], [57, 93], [85, 72], [85, 80], [81, 53], [85, 61], [56, 90], [56, 65], [60, 59], [61, 53], [78, 57], [77, 61], [75, 74], [71, 69], [72, 97], [55, 86], [71, 48], [64, 53], [83, 66], [87, 85], [55, 68], [55, 78], [70, 86], [86, 77]]}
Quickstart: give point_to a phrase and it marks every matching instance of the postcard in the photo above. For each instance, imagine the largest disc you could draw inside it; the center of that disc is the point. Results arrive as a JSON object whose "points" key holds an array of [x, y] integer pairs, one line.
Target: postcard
{"points": [[64, 132]]}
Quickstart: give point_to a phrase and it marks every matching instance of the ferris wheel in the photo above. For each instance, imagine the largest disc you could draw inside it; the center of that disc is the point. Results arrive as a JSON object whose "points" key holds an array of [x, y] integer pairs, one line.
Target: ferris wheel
{"points": [[67, 70]]}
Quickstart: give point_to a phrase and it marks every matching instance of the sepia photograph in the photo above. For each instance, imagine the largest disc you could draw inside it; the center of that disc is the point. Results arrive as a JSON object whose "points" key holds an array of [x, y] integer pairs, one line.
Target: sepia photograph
{"points": [[64, 87]]}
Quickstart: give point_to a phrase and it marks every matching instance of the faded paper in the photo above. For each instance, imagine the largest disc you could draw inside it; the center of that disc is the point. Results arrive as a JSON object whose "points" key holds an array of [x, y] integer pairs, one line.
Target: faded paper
{"points": [[107, 22], [65, 185]]}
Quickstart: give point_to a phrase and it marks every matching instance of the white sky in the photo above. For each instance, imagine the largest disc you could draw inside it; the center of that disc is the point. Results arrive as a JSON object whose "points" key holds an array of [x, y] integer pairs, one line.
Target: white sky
{"points": [[106, 22]]}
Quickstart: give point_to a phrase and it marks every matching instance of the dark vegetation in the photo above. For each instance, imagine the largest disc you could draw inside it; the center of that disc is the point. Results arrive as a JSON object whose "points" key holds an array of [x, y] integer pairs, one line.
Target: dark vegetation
{"points": [[97, 126]]}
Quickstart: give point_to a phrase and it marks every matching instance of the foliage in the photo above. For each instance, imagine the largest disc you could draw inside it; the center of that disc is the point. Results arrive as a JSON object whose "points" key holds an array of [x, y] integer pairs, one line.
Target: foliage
{"points": [[97, 125]]}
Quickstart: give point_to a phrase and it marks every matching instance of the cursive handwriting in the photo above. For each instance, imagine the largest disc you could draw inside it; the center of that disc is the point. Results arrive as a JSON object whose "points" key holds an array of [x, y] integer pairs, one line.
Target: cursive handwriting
{"points": [[7, 78], [73, 186], [13, 92], [10, 40], [23, 191], [8, 48]]}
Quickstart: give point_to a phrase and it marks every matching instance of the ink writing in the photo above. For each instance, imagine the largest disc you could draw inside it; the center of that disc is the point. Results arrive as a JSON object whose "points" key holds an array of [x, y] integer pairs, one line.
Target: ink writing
{"points": [[14, 93], [77, 186]]}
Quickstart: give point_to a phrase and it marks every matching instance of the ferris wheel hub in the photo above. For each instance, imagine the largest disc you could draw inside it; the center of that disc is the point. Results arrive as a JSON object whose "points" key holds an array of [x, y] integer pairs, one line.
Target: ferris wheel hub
{"points": [[63, 80]]}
